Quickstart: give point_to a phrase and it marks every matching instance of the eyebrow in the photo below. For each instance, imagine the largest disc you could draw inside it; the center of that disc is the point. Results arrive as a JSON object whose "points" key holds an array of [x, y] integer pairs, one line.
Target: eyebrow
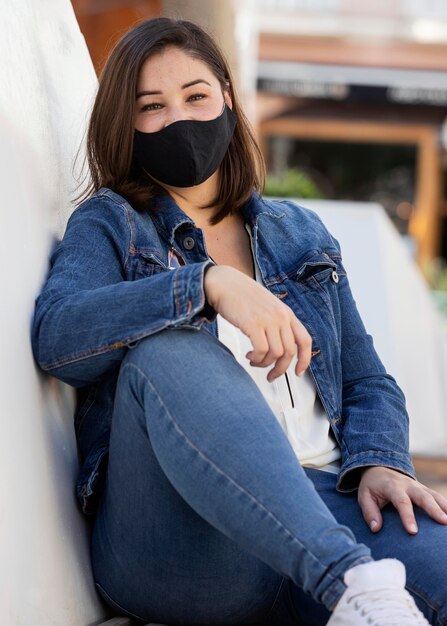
{"points": [[190, 84]]}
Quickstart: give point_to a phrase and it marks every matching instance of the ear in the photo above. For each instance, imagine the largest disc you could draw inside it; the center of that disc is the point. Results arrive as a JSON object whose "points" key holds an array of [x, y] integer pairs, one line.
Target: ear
{"points": [[227, 96]]}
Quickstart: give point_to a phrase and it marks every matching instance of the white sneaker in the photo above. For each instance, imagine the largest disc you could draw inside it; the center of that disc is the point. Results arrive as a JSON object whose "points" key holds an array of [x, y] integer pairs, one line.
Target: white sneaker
{"points": [[376, 596]]}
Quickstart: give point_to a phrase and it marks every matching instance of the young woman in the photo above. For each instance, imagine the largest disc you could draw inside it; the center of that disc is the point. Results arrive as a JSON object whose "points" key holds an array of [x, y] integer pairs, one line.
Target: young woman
{"points": [[243, 449]]}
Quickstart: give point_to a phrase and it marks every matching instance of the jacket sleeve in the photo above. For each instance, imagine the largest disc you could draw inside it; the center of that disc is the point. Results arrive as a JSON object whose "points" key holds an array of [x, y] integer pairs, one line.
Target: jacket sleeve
{"points": [[88, 313], [374, 419]]}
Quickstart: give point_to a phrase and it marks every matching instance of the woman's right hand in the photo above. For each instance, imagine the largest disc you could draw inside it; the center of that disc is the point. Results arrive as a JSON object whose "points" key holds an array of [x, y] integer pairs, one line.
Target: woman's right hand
{"points": [[272, 327]]}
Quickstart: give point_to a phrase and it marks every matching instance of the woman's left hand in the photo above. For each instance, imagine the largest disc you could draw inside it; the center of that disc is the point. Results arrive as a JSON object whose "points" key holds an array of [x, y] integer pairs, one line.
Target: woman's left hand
{"points": [[382, 485]]}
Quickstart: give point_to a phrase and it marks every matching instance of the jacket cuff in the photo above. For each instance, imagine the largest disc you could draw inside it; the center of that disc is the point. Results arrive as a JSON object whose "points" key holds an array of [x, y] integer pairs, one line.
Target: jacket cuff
{"points": [[351, 470], [189, 294]]}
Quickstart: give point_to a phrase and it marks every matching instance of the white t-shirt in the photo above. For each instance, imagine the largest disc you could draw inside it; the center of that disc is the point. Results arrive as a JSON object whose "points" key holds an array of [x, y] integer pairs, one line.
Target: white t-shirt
{"points": [[293, 400]]}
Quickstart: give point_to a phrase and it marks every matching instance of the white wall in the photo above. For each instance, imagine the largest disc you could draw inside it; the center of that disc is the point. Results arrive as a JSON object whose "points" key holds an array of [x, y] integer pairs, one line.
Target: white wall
{"points": [[399, 312], [46, 87]]}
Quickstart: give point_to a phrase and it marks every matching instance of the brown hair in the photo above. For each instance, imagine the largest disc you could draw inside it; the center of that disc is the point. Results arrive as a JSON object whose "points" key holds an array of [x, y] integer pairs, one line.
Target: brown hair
{"points": [[111, 127]]}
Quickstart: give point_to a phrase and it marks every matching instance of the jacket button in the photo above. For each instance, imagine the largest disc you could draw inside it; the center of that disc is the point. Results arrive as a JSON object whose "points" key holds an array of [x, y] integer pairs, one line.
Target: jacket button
{"points": [[189, 243], [335, 277]]}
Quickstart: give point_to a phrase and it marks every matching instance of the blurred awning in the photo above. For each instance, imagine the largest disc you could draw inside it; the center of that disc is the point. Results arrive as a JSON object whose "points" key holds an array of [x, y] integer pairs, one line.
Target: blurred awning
{"points": [[353, 83]]}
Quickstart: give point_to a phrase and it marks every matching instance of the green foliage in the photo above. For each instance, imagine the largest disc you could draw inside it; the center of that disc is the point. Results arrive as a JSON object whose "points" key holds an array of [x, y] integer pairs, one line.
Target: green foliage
{"points": [[436, 274], [292, 183]]}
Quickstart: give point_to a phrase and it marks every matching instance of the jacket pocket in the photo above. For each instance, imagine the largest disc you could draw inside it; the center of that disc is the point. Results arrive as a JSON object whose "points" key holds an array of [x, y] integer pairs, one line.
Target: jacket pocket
{"points": [[315, 289], [147, 264], [318, 270]]}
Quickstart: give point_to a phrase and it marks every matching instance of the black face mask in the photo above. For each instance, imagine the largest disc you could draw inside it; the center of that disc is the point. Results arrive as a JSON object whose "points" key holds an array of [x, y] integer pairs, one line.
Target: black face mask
{"points": [[186, 152]]}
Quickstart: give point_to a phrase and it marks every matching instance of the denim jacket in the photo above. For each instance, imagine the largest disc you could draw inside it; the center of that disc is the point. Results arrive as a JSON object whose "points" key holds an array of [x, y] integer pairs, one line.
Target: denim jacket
{"points": [[120, 275]]}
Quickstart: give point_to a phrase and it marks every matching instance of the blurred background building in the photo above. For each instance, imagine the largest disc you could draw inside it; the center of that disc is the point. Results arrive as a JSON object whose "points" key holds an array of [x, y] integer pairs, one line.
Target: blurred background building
{"points": [[348, 97]]}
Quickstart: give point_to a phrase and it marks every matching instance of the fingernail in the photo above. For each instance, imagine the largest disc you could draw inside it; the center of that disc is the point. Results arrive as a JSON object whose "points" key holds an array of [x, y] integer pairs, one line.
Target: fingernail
{"points": [[373, 524], [444, 517], [300, 374], [413, 528]]}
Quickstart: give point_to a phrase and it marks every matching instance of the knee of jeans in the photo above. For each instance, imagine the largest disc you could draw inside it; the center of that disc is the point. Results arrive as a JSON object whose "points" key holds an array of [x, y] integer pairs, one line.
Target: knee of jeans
{"points": [[176, 347]]}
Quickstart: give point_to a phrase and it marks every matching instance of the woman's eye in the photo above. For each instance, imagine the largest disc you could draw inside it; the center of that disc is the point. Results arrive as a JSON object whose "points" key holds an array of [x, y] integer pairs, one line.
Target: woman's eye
{"points": [[197, 96], [154, 106]]}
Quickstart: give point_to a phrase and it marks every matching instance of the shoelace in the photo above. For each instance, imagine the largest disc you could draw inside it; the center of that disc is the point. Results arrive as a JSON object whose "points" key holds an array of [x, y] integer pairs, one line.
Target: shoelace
{"points": [[388, 608]]}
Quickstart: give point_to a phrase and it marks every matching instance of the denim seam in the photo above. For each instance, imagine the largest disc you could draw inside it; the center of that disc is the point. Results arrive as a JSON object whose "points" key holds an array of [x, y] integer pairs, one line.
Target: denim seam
{"points": [[102, 349], [125, 207], [334, 592], [91, 399], [179, 296], [320, 291], [269, 213], [378, 457], [358, 459], [132, 236], [420, 595], [404, 454], [120, 606], [251, 497], [275, 601]]}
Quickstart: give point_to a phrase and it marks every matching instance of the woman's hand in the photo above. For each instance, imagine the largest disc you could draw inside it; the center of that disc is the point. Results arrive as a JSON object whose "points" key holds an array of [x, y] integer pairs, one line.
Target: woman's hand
{"points": [[273, 329], [381, 485]]}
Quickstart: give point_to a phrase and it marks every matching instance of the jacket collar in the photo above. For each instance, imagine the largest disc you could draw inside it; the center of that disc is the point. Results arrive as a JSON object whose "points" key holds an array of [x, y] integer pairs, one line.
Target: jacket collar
{"points": [[257, 206], [168, 216]]}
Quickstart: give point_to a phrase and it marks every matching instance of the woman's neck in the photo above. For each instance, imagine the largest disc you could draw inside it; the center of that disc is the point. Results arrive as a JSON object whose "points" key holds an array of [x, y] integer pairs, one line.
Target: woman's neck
{"points": [[194, 200]]}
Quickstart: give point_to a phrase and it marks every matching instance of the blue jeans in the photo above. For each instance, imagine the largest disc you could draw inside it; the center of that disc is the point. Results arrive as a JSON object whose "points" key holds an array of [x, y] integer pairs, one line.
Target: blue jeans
{"points": [[207, 516]]}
